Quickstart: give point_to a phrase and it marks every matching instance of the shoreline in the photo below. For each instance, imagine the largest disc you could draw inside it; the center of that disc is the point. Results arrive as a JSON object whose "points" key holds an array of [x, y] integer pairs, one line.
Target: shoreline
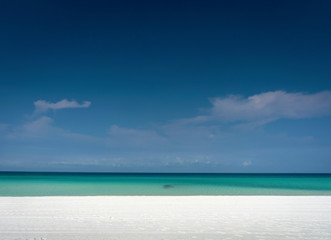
{"points": [[165, 217]]}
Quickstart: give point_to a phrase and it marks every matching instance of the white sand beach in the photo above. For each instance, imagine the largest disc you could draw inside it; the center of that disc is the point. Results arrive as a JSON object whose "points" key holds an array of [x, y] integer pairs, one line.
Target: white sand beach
{"points": [[154, 217]]}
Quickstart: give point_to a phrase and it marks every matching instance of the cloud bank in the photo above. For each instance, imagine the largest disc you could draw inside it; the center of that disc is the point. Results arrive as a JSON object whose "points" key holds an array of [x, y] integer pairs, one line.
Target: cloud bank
{"points": [[43, 106], [210, 142], [270, 106]]}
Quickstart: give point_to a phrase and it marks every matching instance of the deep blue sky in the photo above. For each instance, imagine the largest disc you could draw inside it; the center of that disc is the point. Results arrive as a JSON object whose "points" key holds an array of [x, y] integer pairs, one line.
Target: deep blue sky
{"points": [[160, 79]]}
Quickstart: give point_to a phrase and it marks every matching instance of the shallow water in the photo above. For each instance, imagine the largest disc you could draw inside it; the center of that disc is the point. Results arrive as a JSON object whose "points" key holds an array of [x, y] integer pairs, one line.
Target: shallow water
{"points": [[100, 184]]}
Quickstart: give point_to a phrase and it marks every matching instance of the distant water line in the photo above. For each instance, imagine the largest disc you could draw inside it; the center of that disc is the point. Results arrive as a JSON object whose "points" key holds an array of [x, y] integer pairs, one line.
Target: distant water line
{"points": [[161, 184]]}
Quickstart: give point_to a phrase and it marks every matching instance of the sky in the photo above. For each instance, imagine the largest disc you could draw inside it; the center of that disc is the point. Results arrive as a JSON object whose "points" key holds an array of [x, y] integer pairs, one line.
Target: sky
{"points": [[165, 86]]}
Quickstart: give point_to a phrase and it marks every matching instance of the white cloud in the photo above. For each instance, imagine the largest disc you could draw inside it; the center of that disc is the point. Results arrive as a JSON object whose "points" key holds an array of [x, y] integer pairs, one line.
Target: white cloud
{"points": [[44, 106], [228, 116], [246, 163], [43, 127], [271, 106], [39, 125], [37, 128]]}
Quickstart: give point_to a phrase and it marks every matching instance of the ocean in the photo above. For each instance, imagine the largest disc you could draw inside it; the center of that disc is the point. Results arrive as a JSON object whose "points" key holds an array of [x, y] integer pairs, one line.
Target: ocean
{"points": [[161, 184]]}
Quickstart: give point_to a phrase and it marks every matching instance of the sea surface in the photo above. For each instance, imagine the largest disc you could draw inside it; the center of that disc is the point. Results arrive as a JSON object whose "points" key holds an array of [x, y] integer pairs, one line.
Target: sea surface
{"points": [[161, 184]]}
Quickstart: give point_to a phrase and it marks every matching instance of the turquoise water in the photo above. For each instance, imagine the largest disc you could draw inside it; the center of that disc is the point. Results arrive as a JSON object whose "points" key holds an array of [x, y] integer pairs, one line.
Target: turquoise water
{"points": [[111, 184]]}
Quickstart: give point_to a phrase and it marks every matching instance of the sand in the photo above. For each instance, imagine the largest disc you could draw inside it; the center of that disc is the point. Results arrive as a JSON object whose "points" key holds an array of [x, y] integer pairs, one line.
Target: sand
{"points": [[153, 217]]}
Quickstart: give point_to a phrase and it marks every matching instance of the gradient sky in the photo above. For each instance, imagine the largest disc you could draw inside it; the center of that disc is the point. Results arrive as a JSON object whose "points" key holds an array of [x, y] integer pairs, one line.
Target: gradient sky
{"points": [[165, 86]]}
